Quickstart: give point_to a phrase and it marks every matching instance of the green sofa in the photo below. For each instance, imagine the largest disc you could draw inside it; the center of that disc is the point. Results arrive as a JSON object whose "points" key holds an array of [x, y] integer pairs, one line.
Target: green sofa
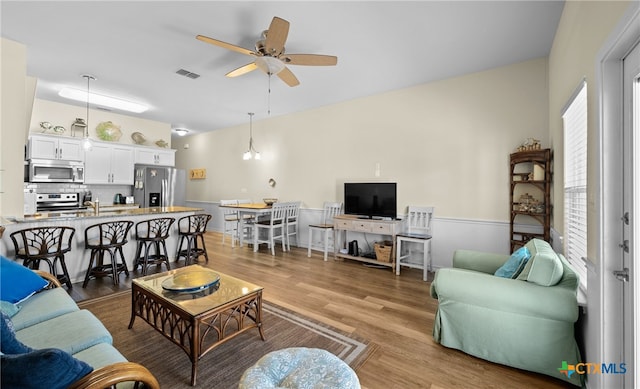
{"points": [[526, 322]]}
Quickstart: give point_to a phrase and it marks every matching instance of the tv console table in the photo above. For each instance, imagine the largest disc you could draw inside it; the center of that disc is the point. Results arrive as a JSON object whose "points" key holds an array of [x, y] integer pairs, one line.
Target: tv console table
{"points": [[344, 223]]}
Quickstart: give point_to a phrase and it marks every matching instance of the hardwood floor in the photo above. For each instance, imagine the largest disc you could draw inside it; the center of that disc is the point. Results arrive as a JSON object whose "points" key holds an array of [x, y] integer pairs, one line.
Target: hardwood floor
{"points": [[395, 312]]}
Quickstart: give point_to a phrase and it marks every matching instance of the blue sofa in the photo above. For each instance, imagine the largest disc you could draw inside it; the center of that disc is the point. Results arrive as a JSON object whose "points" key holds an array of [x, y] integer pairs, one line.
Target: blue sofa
{"points": [[525, 322], [50, 319]]}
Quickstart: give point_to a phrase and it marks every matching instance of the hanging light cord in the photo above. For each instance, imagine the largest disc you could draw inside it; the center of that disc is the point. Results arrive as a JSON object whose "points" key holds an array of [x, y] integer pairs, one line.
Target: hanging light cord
{"points": [[269, 97], [89, 78]]}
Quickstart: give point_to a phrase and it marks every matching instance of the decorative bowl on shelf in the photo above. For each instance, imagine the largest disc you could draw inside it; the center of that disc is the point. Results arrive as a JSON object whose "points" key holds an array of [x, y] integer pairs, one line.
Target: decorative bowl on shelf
{"points": [[270, 201], [138, 138], [108, 131]]}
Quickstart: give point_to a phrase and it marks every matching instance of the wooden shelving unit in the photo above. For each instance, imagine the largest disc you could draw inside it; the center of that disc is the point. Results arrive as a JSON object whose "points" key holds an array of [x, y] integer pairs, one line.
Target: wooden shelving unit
{"points": [[530, 196]]}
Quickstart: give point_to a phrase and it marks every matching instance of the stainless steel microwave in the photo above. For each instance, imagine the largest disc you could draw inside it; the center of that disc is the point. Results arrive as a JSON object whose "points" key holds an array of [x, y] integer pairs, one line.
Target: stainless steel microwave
{"points": [[45, 170]]}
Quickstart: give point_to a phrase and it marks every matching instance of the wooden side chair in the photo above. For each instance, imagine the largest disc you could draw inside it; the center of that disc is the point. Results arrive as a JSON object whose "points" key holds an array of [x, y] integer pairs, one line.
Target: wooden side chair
{"points": [[329, 211], [274, 228], [291, 222], [418, 232], [48, 244]]}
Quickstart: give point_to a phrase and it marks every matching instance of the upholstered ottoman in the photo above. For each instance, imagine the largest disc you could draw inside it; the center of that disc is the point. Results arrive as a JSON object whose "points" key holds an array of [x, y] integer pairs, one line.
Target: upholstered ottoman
{"points": [[299, 367]]}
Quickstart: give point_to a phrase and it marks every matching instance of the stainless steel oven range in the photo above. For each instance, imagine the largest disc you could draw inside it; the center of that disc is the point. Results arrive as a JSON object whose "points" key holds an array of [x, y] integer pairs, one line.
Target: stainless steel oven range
{"points": [[57, 202]]}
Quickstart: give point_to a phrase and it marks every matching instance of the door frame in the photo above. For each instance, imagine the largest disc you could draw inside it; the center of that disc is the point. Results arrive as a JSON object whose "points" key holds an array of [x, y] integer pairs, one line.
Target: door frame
{"points": [[605, 293]]}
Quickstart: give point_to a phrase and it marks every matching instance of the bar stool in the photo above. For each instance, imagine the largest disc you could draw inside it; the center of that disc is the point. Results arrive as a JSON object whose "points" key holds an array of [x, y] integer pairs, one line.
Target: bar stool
{"points": [[150, 234], [190, 228], [48, 244], [108, 237]]}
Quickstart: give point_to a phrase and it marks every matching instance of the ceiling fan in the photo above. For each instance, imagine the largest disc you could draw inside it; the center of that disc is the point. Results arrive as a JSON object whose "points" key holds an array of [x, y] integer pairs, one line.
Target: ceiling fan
{"points": [[270, 56]]}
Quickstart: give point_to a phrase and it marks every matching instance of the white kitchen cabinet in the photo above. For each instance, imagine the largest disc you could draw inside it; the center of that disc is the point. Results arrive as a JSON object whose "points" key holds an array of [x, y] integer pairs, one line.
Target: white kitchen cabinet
{"points": [[154, 156], [109, 164], [55, 147]]}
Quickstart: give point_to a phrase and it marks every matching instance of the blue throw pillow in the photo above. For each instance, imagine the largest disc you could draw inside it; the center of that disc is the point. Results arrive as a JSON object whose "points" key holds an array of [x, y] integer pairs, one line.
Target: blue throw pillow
{"points": [[25, 368], [514, 264], [50, 368], [18, 282]]}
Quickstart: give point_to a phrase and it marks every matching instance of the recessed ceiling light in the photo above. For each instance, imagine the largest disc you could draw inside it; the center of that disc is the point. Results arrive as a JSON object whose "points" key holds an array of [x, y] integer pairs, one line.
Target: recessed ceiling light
{"points": [[107, 101], [181, 131]]}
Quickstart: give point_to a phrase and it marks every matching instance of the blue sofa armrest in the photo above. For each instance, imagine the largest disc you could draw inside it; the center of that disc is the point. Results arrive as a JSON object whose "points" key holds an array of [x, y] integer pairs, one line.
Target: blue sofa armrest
{"points": [[478, 261], [505, 295]]}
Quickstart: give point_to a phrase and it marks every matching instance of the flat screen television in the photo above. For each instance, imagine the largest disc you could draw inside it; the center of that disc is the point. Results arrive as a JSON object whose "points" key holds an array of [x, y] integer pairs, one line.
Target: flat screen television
{"points": [[370, 199]]}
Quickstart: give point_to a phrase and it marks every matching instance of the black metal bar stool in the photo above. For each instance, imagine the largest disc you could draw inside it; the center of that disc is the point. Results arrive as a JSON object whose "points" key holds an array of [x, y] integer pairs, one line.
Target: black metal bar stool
{"points": [[151, 234], [190, 228], [48, 244], [108, 237]]}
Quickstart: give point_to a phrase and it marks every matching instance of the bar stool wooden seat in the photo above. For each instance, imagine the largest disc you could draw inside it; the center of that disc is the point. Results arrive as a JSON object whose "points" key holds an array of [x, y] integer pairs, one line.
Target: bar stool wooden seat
{"points": [[152, 234], [108, 237], [190, 228], [48, 244]]}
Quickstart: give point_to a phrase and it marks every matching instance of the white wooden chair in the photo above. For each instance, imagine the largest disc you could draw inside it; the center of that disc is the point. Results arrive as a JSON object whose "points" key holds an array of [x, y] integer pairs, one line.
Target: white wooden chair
{"points": [[291, 221], [274, 228], [418, 233], [231, 221], [330, 209]]}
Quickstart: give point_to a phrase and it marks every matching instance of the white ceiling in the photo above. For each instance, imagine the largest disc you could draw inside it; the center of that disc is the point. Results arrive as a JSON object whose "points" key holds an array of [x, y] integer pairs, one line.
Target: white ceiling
{"points": [[135, 48]]}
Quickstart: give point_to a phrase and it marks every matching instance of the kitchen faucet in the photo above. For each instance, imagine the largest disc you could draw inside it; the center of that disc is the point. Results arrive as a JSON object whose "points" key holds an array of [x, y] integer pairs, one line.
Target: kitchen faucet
{"points": [[93, 204]]}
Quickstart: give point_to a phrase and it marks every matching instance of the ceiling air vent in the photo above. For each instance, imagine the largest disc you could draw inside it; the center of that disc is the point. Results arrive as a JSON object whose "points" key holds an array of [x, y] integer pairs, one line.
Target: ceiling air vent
{"points": [[187, 73]]}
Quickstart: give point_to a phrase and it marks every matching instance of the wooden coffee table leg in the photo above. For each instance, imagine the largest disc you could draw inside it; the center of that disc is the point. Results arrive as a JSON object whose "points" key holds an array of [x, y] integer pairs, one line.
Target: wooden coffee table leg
{"points": [[195, 350], [259, 315]]}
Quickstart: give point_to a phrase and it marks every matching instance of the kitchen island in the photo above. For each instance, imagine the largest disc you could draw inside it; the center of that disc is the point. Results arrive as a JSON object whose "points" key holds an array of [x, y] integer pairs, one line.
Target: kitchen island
{"points": [[77, 259]]}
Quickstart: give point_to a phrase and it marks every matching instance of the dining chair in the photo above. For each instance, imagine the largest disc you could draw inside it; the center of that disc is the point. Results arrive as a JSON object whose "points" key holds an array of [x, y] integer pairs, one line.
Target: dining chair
{"points": [[417, 234], [329, 210], [291, 222], [231, 221], [274, 228]]}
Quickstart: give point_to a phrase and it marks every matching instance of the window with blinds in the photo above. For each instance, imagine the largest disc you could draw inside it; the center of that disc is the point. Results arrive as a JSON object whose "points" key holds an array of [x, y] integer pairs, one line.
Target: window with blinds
{"points": [[574, 121]]}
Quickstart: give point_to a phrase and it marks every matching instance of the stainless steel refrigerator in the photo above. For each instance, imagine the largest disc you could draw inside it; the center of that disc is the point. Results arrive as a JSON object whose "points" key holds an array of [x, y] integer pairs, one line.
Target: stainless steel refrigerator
{"points": [[159, 186]]}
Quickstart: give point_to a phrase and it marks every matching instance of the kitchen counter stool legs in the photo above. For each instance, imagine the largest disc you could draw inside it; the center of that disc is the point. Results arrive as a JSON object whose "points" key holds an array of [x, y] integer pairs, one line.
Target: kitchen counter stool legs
{"points": [[109, 238], [48, 244], [151, 235]]}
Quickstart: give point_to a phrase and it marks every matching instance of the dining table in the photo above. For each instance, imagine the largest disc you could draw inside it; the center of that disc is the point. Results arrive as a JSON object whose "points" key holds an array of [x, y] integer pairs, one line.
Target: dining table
{"points": [[247, 213]]}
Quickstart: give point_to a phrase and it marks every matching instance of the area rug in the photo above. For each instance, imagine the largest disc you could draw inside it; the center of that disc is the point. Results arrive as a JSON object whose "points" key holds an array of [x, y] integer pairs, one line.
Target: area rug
{"points": [[223, 366]]}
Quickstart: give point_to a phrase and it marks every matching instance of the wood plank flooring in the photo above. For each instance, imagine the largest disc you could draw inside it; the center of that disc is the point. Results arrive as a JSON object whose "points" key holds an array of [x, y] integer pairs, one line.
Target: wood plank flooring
{"points": [[395, 312]]}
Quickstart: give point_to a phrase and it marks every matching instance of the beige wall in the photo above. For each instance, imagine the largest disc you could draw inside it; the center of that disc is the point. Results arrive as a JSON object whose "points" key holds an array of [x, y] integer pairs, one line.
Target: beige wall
{"points": [[13, 125], [584, 27], [64, 114], [445, 143]]}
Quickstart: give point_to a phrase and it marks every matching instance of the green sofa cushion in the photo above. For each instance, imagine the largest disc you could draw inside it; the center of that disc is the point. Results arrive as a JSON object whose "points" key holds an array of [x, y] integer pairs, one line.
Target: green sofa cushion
{"points": [[43, 306], [544, 268], [515, 263]]}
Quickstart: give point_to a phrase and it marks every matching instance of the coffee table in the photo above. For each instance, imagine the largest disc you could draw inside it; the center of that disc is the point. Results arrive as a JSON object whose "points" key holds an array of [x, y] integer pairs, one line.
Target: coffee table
{"points": [[197, 308]]}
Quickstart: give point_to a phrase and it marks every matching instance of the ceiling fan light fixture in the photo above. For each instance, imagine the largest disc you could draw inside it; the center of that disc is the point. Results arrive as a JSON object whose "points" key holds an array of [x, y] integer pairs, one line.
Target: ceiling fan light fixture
{"points": [[269, 65]]}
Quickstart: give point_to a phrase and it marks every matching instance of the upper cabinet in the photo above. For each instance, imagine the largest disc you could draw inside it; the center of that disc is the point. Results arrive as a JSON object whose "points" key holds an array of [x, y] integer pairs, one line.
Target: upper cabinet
{"points": [[55, 147], [154, 156], [108, 163]]}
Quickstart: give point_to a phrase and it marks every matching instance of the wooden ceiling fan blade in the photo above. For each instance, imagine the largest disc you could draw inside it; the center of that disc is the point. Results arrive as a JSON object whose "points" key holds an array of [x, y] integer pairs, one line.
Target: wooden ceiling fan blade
{"points": [[225, 45], [288, 77], [310, 59], [276, 36], [242, 70]]}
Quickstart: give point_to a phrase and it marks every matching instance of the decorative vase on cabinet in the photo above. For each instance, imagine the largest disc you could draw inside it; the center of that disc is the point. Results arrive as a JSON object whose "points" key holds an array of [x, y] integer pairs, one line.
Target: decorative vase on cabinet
{"points": [[530, 197]]}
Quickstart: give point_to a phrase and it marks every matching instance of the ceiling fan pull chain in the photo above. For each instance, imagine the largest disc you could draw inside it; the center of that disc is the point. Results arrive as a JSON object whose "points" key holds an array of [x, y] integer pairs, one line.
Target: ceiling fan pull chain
{"points": [[269, 97]]}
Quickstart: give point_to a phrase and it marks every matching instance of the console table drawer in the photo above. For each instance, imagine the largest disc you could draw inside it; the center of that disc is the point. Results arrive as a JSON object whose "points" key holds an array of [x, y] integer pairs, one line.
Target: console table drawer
{"points": [[382, 228], [361, 226], [343, 224]]}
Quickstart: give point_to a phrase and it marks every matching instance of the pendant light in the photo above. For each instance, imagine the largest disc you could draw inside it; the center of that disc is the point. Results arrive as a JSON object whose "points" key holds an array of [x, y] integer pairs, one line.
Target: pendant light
{"points": [[86, 143], [251, 152]]}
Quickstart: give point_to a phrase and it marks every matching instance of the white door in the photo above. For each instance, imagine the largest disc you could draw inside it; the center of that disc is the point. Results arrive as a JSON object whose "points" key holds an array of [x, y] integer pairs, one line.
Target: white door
{"points": [[631, 219], [97, 164], [122, 165]]}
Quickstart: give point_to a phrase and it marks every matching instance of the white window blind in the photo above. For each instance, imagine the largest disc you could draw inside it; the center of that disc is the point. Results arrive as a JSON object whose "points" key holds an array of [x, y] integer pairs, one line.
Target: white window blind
{"points": [[575, 182]]}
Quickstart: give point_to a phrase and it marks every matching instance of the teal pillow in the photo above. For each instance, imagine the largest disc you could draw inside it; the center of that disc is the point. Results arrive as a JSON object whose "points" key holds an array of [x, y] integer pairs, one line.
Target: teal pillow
{"points": [[514, 264], [18, 282]]}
